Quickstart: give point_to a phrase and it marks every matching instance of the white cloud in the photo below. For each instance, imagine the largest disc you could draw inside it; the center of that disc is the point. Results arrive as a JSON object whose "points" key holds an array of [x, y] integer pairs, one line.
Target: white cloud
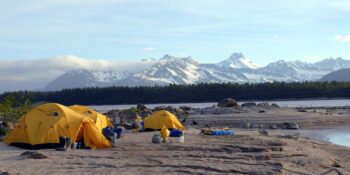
{"points": [[36, 73], [342, 38]]}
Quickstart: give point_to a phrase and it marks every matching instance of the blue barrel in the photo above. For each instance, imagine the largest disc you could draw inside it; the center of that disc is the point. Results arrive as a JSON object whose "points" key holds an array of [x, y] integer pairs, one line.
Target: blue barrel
{"points": [[175, 133]]}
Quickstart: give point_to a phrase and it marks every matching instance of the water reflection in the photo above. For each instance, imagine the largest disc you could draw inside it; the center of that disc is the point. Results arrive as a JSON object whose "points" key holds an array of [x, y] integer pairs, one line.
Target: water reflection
{"points": [[342, 138]]}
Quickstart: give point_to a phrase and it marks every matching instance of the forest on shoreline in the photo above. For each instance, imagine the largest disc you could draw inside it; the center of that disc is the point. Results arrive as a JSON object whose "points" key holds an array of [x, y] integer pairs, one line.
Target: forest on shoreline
{"points": [[204, 92]]}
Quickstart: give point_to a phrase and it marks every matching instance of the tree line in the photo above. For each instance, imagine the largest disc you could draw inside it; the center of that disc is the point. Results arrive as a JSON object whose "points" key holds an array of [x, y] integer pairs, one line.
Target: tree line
{"points": [[203, 92]]}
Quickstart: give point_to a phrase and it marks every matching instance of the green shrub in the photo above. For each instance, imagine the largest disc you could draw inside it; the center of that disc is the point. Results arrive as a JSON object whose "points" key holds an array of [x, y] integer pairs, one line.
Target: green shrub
{"points": [[11, 109]]}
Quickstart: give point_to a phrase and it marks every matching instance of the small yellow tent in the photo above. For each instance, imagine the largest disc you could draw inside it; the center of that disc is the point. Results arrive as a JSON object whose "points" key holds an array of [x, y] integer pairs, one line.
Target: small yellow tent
{"points": [[101, 121], [162, 118], [44, 124]]}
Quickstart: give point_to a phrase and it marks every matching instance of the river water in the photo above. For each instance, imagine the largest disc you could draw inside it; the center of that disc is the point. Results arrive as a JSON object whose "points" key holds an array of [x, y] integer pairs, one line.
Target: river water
{"points": [[337, 136]]}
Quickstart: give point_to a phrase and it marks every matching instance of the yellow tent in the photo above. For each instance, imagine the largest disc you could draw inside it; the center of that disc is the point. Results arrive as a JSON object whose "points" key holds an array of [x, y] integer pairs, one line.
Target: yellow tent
{"points": [[44, 124], [162, 118], [101, 121]]}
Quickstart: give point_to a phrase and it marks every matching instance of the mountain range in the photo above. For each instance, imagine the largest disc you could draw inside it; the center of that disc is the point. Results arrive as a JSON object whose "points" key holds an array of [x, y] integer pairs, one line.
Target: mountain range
{"points": [[173, 70]]}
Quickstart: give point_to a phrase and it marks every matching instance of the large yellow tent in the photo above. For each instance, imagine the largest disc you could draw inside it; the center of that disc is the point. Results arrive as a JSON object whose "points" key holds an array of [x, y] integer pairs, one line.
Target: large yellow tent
{"points": [[162, 118], [44, 124], [101, 121]]}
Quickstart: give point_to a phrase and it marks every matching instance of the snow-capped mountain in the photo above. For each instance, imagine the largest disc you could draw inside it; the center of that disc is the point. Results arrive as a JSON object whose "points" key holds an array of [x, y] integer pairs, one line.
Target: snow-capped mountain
{"points": [[294, 70], [333, 64], [85, 78], [172, 70], [238, 61]]}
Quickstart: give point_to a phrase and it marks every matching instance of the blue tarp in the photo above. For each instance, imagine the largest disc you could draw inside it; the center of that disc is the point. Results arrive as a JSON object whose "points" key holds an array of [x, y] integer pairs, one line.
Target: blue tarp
{"points": [[222, 132]]}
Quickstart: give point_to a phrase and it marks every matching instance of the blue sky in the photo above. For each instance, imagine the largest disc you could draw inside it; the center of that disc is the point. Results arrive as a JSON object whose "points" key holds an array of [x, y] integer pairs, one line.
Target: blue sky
{"points": [[207, 30]]}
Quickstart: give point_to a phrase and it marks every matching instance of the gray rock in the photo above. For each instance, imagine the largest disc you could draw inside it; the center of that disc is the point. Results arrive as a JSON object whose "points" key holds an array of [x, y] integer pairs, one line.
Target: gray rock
{"points": [[128, 116], [274, 105], [141, 107], [159, 108], [291, 125], [33, 155], [248, 104], [228, 102], [247, 125], [186, 108], [264, 105], [273, 126], [262, 111], [302, 110], [114, 115], [264, 132]]}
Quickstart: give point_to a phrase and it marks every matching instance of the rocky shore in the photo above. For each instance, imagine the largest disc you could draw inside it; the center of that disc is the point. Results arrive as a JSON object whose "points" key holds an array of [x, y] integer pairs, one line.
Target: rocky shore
{"points": [[267, 139]]}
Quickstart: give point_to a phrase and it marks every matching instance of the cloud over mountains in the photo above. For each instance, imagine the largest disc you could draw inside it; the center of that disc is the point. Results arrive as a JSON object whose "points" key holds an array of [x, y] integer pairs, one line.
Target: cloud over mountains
{"points": [[36, 73]]}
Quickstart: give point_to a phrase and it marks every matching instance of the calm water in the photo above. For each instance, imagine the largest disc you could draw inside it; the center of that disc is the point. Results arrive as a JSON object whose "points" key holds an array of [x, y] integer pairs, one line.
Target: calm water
{"points": [[337, 136], [340, 138]]}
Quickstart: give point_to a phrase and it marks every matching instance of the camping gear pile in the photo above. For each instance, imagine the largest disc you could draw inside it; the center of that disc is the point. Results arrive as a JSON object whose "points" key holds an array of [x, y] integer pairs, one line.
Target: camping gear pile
{"points": [[44, 125]]}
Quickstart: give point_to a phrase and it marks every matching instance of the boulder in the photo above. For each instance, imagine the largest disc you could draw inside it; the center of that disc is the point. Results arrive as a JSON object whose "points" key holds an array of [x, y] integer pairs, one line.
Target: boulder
{"points": [[264, 105], [247, 125], [159, 108], [228, 102], [291, 125], [33, 155], [146, 112], [261, 111], [274, 105], [170, 109], [186, 108], [302, 110], [129, 116], [248, 104], [114, 115], [141, 107]]}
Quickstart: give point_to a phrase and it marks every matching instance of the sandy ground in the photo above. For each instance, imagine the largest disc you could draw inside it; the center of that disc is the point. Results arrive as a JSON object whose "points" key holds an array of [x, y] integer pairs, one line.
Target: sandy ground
{"points": [[246, 152]]}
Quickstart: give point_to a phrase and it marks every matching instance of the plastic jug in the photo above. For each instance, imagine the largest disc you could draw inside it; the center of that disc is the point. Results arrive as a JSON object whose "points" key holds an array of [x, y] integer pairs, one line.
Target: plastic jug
{"points": [[182, 139]]}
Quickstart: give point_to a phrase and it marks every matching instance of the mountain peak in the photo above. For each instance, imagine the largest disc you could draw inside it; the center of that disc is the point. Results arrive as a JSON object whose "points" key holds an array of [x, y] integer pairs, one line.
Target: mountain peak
{"points": [[167, 57], [238, 61], [236, 56]]}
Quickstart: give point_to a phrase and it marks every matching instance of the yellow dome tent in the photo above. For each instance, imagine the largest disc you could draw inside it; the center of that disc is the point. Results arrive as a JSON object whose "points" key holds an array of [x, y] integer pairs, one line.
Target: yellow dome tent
{"points": [[162, 118], [44, 124], [101, 121]]}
